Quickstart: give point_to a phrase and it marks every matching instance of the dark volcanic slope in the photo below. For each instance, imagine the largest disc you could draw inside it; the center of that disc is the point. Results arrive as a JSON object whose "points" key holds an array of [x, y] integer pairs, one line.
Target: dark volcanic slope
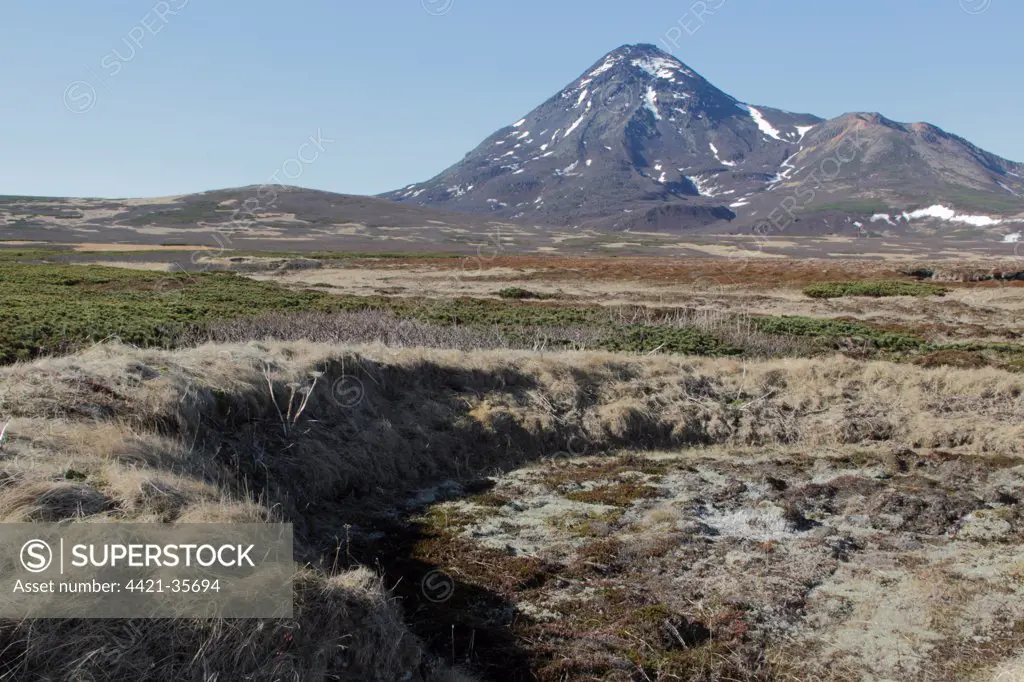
{"points": [[642, 141], [868, 156]]}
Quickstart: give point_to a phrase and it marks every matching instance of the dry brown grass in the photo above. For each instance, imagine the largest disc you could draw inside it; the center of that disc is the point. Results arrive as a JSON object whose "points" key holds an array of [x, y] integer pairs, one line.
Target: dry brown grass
{"points": [[982, 310], [376, 326], [346, 628], [792, 273], [133, 408], [207, 434], [127, 248]]}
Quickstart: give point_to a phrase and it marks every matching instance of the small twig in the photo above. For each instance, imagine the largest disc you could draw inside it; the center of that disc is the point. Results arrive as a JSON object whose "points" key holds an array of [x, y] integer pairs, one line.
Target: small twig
{"points": [[3, 433], [305, 398], [293, 387], [273, 398], [675, 633], [337, 551], [760, 398]]}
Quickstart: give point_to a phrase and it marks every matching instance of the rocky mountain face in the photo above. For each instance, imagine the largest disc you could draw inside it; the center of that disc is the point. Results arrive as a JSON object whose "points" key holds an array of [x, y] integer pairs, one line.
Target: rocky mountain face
{"points": [[641, 141]]}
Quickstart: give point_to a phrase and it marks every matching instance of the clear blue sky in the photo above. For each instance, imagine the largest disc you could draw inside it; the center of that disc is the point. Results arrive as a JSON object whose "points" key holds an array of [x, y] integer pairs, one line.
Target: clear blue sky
{"points": [[226, 91]]}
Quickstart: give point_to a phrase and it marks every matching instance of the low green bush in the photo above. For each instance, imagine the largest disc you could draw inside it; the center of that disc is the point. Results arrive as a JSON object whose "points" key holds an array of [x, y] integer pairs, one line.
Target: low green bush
{"points": [[47, 309], [831, 331], [877, 289], [519, 293]]}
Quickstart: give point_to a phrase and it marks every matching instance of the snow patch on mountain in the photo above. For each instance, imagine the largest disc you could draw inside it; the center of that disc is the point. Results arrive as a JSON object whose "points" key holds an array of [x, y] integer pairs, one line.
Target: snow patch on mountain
{"points": [[787, 170], [609, 64], [458, 190], [762, 123], [568, 170], [651, 102], [575, 125], [801, 131], [661, 67], [703, 184], [714, 150], [945, 213], [412, 194]]}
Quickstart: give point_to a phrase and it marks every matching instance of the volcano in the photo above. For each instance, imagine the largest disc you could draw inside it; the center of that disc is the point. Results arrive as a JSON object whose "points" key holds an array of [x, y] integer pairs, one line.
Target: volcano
{"points": [[641, 141]]}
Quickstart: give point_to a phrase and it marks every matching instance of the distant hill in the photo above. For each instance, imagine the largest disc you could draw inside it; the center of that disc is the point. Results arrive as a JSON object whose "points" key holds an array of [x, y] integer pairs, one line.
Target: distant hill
{"points": [[238, 218]]}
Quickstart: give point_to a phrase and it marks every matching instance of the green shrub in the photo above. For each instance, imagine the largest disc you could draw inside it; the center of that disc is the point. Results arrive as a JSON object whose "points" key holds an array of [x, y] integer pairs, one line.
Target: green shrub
{"points": [[873, 288], [831, 331], [56, 308], [519, 293]]}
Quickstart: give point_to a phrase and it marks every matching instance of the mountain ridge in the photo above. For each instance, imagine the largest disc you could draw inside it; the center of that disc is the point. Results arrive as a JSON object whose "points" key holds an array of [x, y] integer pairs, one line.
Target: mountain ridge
{"points": [[642, 141]]}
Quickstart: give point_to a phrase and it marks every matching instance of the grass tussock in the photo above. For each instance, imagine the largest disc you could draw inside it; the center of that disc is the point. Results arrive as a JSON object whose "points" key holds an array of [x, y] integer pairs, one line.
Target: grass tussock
{"points": [[345, 628]]}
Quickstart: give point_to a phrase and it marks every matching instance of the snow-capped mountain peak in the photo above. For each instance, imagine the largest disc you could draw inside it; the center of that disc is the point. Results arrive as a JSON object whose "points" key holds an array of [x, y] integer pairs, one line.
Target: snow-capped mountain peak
{"points": [[642, 139]]}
